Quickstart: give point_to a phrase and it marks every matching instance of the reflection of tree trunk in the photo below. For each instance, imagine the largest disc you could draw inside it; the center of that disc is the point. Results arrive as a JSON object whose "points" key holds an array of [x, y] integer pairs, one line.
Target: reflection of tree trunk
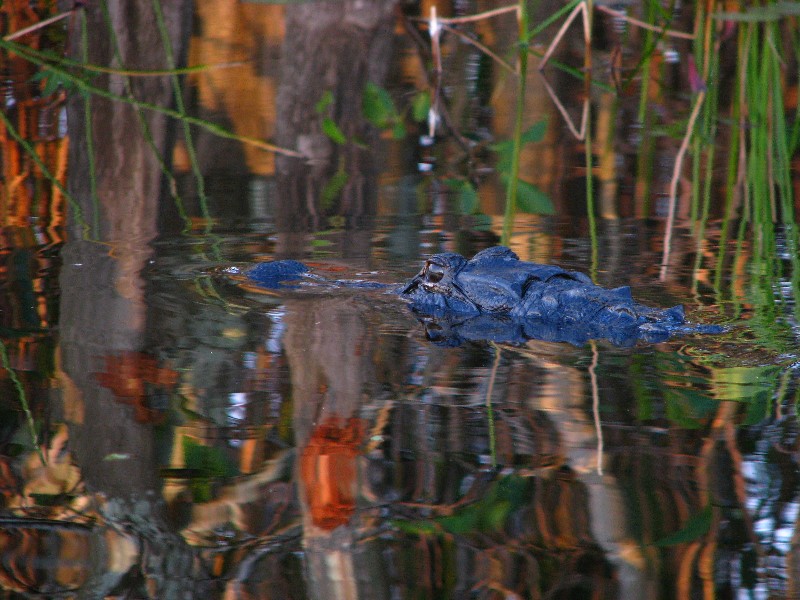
{"points": [[330, 346], [103, 313], [335, 47], [102, 304]]}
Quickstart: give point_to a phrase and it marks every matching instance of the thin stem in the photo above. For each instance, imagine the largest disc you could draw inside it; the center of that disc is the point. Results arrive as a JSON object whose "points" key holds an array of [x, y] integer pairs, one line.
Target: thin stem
{"points": [[23, 400], [89, 137], [489, 409], [644, 25], [39, 25], [673, 185], [588, 154], [178, 94], [87, 87], [522, 72]]}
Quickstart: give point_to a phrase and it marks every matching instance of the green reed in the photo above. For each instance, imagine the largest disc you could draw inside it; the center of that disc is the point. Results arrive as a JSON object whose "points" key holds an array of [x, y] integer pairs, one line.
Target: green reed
{"points": [[89, 137], [519, 113], [5, 363], [79, 79], [177, 93], [649, 42], [705, 57], [587, 145]]}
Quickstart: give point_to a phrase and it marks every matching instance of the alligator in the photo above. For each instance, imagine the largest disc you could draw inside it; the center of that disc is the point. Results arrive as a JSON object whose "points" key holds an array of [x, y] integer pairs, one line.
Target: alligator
{"points": [[496, 296]]}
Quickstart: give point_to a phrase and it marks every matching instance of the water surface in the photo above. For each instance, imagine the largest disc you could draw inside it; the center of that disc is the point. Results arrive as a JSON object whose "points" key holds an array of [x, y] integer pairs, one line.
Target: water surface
{"points": [[170, 430]]}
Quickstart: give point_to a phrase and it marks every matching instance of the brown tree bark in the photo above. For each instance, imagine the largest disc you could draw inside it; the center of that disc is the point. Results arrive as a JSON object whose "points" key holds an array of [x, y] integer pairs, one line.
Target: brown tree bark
{"points": [[336, 47]]}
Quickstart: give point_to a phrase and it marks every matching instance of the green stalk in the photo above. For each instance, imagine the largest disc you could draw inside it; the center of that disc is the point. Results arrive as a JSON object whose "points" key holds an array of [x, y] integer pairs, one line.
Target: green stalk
{"points": [[187, 132], [564, 10], [588, 156], [23, 400], [732, 179], [82, 85], [522, 65], [782, 156], [89, 136], [649, 46], [759, 159], [698, 54], [706, 149]]}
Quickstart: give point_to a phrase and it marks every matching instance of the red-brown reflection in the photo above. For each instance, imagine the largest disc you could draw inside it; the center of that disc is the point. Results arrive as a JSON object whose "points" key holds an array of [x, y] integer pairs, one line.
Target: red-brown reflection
{"points": [[131, 377], [328, 470]]}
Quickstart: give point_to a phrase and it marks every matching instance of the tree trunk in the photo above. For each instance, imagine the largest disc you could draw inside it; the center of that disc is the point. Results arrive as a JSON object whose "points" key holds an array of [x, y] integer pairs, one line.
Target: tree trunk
{"points": [[334, 47]]}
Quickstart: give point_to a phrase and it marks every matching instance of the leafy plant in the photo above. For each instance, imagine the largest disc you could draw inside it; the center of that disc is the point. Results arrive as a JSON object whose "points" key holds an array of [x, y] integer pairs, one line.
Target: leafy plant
{"points": [[379, 109], [529, 198]]}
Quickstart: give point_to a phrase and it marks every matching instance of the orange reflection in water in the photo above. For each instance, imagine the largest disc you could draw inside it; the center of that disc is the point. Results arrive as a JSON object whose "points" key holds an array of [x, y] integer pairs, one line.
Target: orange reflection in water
{"points": [[131, 376], [328, 471]]}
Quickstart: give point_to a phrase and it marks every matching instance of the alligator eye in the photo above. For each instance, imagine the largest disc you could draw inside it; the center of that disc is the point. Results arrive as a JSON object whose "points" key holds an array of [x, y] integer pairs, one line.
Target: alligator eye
{"points": [[433, 272]]}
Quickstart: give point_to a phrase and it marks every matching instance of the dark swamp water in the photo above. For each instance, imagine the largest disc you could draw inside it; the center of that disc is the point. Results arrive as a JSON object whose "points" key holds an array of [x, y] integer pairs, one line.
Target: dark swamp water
{"points": [[168, 430]]}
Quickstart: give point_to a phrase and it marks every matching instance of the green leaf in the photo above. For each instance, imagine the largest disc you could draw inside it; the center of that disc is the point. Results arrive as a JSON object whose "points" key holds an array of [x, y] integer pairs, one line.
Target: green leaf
{"points": [[324, 102], [463, 522], [505, 149], [416, 527], [505, 152], [211, 462], [761, 14], [331, 129], [398, 130], [420, 106], [378, 106], [534, 133], [467, 196], [696, 527], [332, 189], [530, 199], [53, 80]]}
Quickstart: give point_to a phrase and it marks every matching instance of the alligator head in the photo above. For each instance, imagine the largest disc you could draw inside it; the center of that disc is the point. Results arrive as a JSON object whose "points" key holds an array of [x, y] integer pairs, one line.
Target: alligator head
{"points": [[494, 281], [495, 295]]}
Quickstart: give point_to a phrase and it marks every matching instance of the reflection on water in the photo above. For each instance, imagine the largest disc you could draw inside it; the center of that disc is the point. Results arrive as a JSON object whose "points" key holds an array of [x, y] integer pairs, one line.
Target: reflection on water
{"points": [[317, 445], [168, 431]]}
